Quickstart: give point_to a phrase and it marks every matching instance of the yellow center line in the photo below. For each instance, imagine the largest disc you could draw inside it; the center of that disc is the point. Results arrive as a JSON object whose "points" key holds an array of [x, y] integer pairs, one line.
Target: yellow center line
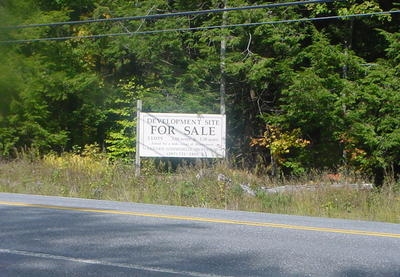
{"points": [[209, 220]]}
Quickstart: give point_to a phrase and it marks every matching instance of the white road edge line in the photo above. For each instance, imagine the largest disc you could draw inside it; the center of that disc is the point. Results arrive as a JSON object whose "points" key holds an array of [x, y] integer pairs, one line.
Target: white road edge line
{"points": [[105, 263]]}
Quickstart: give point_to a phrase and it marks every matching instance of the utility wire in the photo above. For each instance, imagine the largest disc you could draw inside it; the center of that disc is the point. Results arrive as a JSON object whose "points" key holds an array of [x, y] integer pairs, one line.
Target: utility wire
{"points": [[158, 16], [202, 28]]}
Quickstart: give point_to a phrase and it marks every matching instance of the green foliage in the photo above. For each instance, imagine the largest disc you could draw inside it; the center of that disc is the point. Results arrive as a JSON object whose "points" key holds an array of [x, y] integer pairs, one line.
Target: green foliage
{"points": [[312, 102], [120, 138], [393, 49], [280, 144], [335, 82], [372, 136]]}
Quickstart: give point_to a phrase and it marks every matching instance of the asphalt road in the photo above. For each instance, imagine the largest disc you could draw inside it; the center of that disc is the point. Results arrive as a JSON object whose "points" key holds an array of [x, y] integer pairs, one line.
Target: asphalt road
{"points": [[55, 236]]}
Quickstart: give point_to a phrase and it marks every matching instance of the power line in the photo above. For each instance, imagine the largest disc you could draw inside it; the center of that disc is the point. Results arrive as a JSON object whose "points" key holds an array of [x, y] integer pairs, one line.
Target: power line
{"points": [[158, 16], [202, 28]]}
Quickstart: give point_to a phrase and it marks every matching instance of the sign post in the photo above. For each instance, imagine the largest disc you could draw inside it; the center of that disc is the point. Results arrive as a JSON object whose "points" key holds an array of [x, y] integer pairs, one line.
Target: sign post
{"points": [[137, 158]]}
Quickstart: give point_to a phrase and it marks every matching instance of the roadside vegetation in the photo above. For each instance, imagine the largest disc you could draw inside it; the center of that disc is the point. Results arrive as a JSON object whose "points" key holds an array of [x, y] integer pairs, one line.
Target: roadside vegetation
{"points": [[312, 106], [90, 174]]}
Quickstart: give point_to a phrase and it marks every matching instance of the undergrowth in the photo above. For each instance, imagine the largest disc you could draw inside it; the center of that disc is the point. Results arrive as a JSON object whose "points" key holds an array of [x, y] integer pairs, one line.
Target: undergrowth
{"points": [[200, 184]]}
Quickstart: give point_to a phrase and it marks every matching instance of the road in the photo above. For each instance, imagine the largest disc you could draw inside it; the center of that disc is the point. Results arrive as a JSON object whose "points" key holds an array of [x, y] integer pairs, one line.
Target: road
{"points": [[55, 236]]}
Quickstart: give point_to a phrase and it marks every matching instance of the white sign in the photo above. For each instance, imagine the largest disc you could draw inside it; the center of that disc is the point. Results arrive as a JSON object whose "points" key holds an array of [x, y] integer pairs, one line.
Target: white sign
{"points": [[182, 135]]}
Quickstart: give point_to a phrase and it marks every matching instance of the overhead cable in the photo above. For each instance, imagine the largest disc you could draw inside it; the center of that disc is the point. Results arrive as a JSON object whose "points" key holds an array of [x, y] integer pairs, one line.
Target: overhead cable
{"points": [[202, 28], [158, 16]]}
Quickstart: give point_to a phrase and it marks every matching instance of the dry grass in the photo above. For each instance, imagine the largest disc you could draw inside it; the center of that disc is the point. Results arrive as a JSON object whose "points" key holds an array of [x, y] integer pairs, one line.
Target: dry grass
{"points": [[214, 185]]}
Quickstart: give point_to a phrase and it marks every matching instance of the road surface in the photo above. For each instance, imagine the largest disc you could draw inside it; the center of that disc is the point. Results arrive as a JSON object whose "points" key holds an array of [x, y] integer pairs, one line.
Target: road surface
{"points": [[55, 236]]}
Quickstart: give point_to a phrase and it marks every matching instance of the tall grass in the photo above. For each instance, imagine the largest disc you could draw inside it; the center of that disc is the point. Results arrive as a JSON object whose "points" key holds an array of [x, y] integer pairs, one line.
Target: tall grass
{"points": [[215, 185]]}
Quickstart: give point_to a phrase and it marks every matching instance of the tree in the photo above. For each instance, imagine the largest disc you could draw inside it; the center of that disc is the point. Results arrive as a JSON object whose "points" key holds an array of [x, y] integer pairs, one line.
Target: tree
{"points": [[306, 77], [372, 138], [58, 103], [280, 144], [120, 139]]}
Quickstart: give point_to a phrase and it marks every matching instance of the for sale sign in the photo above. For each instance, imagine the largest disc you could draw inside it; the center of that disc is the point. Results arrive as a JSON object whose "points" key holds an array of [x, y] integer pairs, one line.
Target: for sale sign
{"points": [[181, 135]]}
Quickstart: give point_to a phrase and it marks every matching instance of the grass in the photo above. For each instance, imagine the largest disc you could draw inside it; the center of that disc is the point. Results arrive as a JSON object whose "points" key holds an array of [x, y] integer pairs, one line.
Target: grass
{"points": [[201, 185]]}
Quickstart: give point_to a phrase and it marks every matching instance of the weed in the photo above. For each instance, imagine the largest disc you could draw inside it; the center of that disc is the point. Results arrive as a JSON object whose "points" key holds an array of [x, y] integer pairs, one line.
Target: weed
{"points": [[89, 174], [275, 202]]}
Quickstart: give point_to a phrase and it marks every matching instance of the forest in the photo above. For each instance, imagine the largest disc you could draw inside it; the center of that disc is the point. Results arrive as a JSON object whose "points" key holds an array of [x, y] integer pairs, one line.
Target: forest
{"points": [[305, 85]]}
